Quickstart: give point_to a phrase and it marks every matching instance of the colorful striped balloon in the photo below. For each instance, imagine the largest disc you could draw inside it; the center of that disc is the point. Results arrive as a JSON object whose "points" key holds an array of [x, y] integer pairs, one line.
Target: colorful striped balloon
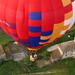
{"points": [[35, 23]]}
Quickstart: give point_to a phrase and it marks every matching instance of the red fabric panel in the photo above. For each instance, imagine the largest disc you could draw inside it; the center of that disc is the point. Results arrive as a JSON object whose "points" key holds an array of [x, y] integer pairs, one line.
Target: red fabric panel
{"points": [[22, 19], [34, 5], [3, 4], [68, 8], [58, 10], [10, 16], [35, 22], [11, 11], [35, 34], [47, 16]]}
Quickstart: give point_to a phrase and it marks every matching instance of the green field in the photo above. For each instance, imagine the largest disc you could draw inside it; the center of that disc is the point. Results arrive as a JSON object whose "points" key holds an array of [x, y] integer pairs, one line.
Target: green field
{"points": [[63, 67]]}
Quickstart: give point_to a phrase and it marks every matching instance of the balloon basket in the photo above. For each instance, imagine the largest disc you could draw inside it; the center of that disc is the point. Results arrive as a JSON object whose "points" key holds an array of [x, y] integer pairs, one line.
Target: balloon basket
{"points": [[33, 57]]}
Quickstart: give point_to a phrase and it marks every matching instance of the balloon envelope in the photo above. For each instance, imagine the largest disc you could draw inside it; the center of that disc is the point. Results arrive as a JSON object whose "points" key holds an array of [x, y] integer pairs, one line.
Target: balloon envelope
{"points": [[35, 23]]}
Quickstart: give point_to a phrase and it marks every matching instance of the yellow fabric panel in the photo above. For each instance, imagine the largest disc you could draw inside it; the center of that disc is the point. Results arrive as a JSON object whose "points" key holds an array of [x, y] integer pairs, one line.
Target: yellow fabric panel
{"points": [[68, 15], [57, 29], [42, 43], [44, 37], [66, 2]]}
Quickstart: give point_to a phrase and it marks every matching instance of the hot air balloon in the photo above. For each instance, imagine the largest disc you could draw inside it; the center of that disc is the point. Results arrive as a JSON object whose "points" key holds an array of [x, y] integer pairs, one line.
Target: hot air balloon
{"points": [[35, 23]]}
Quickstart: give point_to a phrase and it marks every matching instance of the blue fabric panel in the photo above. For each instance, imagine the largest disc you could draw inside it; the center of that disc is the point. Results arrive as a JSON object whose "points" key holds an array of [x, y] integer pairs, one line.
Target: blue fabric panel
{"points": [[34, 29], [35, 16], [34, 41], [46, 33]]}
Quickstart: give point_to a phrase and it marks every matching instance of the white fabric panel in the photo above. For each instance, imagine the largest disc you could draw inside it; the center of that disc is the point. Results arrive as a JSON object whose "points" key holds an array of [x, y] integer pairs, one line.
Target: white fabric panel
{"points": [[73, 4], [63, 32], [68, 22]]}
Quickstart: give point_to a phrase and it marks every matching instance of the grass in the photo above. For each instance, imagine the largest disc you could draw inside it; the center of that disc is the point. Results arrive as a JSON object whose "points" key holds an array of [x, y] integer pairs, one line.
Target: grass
{"points": [[11, 68], [62, 67], [4, 39]]}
